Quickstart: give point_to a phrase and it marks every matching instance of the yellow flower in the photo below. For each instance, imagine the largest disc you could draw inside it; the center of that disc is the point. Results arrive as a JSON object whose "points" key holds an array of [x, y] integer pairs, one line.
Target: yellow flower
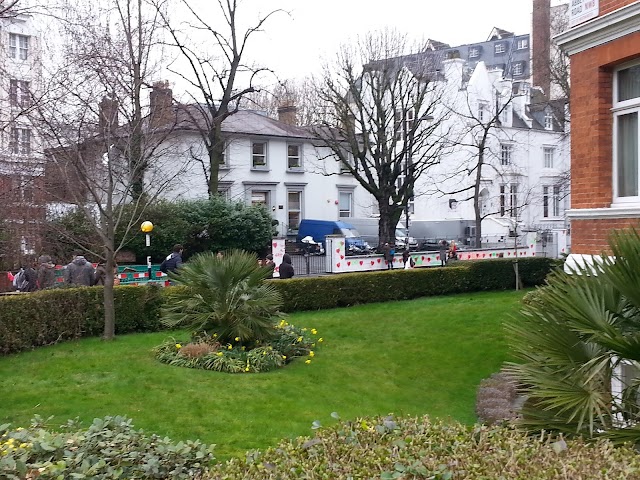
{"points": [[308, 362], [314, 331], [178, 346], [219, 354], [246, 369], [243, 348], [299, 339], [311, 354], [304, 329], [264, 353], [229, 347], [284, 357], [321, 340], [237, 339], [23, 445], [313, 344], [215, 335]]}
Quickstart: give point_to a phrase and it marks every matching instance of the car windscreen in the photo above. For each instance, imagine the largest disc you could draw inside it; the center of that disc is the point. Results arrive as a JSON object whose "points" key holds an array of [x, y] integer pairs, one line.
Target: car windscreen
{"points": [[349, 232], [401, 233]]}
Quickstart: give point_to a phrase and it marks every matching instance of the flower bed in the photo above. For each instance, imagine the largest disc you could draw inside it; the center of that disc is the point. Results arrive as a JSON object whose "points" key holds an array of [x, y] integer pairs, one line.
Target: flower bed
{"points": [[207, 352]]}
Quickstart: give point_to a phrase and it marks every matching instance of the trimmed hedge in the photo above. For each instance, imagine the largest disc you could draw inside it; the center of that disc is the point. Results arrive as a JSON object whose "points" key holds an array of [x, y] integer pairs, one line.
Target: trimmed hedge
{"points": [[46, 317], [49, 316], [333, 291]]}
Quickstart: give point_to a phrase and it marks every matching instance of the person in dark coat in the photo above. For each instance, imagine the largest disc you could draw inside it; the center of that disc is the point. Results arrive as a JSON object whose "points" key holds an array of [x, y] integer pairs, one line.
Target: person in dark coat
{"points": [[286, 269], [46, 272], [31, 276], [444, 250], [79, 272], [269, 263], [388, 251], [173, 261]]}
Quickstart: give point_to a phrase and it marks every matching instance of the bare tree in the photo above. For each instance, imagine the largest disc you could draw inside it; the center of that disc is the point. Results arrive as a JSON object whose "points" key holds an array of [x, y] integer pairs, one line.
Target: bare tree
{"points": [[384, 121], [300, 94], [559, 61], [220, 78], [104, 154]]}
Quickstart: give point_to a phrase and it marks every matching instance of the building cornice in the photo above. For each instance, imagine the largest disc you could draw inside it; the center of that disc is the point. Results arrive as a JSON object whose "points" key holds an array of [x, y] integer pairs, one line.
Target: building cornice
{"points": [[603, 213], [600, 30]]}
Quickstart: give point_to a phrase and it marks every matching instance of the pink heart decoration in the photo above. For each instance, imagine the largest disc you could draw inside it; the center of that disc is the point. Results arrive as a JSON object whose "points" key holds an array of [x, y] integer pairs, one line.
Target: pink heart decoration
{"points": [[508, 254], [428, 259], [372, 262], [484, 255], [275, 245], [423, 257], [337, 250], [533, 254], [361, 262], [338, 264], [348, 264], [531, 245], [341, 257], [378, 260]]}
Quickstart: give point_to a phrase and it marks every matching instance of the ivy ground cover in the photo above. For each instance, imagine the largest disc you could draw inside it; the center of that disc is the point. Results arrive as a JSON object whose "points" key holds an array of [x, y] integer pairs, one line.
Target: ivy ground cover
{"points": [[424, 356]]}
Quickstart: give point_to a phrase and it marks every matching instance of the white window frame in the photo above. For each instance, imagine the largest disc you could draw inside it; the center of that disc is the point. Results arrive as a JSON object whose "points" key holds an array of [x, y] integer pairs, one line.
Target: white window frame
{"points": [[620, 108], [482, 108], [518, 68], [551, 201], [474, 52], [19, 94], [548, 121], [343, 168], [522, 44], [506, 154], [349, 212], [18, 46], [267, 197], [299, 211], [299, 156], [20, 143], [548, 154], [499, 48], [508, 199], [264, 155]]}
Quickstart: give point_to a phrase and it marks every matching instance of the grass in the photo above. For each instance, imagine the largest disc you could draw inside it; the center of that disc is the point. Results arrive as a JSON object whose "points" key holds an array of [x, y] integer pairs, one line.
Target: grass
{"points": [[413, 357]]}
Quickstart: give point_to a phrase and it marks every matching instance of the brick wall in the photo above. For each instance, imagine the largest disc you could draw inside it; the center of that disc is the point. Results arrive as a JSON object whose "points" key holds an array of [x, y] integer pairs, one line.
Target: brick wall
{"points": [[591, 237], [608, 6]]}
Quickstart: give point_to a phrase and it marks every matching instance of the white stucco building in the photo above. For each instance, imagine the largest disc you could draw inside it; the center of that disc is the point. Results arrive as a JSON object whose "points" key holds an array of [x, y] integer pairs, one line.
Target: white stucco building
{"points": [[272, 163]]}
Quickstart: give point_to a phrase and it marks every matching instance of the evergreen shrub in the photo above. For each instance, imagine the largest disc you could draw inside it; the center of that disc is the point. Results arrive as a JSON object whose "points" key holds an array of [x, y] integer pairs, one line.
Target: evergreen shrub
{"points": [[49, 316]]}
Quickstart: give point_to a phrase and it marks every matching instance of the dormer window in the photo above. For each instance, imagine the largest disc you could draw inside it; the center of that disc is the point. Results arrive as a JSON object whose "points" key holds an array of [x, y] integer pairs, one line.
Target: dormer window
{"points": [[548, 121], [474, 52], [499, 48], [522, 44], [518, 69]]}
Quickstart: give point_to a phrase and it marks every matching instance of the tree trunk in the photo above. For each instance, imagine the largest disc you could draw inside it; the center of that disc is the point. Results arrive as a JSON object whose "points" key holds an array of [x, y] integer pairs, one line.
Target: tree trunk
{"points": [[476, 197], [108, 298], [215, 150], [389, 217]]}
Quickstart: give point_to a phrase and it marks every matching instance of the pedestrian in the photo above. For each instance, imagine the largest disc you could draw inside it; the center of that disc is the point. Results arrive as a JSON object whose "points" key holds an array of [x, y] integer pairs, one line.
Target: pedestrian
{"points": [[407, 260], [173, 261], [101, 274], [46, 272], [286, 269], [30, 282], [79, 272], [444, 249], [269, 263], [388, 251], [453, 251]]}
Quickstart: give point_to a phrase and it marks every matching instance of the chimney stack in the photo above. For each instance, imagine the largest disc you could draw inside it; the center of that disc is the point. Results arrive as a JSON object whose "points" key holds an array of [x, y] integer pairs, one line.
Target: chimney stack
{"points": [[108, 115], [287, 114], [160, 105], [541, 45]]}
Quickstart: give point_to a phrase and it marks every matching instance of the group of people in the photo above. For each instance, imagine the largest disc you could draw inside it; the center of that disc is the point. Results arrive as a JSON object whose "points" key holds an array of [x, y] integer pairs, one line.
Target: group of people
{"points": [[286, 267], [448, 251], [41, 275]]}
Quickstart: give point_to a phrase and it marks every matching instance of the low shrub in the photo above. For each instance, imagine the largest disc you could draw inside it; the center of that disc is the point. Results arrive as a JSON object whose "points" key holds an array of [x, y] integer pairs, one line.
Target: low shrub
{"points": [[318, 293], [110, 448], [288, 343], [387, 448], [49, 316]]}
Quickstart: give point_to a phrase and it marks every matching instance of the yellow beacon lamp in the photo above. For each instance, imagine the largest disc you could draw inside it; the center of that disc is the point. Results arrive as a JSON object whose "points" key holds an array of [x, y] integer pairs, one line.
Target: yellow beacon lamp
{"points": [[147, 228]]}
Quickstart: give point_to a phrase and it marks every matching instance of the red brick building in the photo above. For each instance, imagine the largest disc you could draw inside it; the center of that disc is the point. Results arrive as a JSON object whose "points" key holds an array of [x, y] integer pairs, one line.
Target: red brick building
{"points": [[604, 46]]}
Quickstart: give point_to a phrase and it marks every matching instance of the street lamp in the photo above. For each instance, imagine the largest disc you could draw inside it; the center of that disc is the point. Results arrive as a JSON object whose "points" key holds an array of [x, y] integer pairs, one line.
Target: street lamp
{"points": [[147, 228]]}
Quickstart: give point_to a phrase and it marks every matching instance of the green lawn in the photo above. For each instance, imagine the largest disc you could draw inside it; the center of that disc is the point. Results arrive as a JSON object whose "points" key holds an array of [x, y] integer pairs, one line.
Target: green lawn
{"points": [[414, 357]]}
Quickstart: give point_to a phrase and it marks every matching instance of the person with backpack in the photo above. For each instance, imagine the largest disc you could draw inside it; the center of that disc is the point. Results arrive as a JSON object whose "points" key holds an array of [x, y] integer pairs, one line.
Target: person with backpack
{"points": [[173, 260]]}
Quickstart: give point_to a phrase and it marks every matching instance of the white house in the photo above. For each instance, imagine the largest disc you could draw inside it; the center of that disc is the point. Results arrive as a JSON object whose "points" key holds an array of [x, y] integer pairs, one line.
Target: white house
{"points": [[272, 163]]}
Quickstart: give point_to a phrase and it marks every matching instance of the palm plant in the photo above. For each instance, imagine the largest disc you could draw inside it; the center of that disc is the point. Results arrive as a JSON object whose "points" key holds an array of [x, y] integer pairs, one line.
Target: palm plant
{"points": [[575, 340], [225, 295]]}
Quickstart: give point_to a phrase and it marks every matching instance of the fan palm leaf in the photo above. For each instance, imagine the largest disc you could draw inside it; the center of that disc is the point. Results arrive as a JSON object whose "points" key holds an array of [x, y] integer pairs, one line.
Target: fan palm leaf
{"points": [[226, 295]]}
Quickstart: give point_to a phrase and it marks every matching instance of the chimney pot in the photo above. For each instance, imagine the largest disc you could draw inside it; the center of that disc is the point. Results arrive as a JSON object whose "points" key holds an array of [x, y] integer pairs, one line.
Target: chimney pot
{"points": [[287, 114]]}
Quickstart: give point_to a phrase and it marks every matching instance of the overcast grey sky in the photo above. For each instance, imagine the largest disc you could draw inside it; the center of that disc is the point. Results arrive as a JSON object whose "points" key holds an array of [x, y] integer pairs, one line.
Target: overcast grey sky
{"points": [[294, 44]]}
